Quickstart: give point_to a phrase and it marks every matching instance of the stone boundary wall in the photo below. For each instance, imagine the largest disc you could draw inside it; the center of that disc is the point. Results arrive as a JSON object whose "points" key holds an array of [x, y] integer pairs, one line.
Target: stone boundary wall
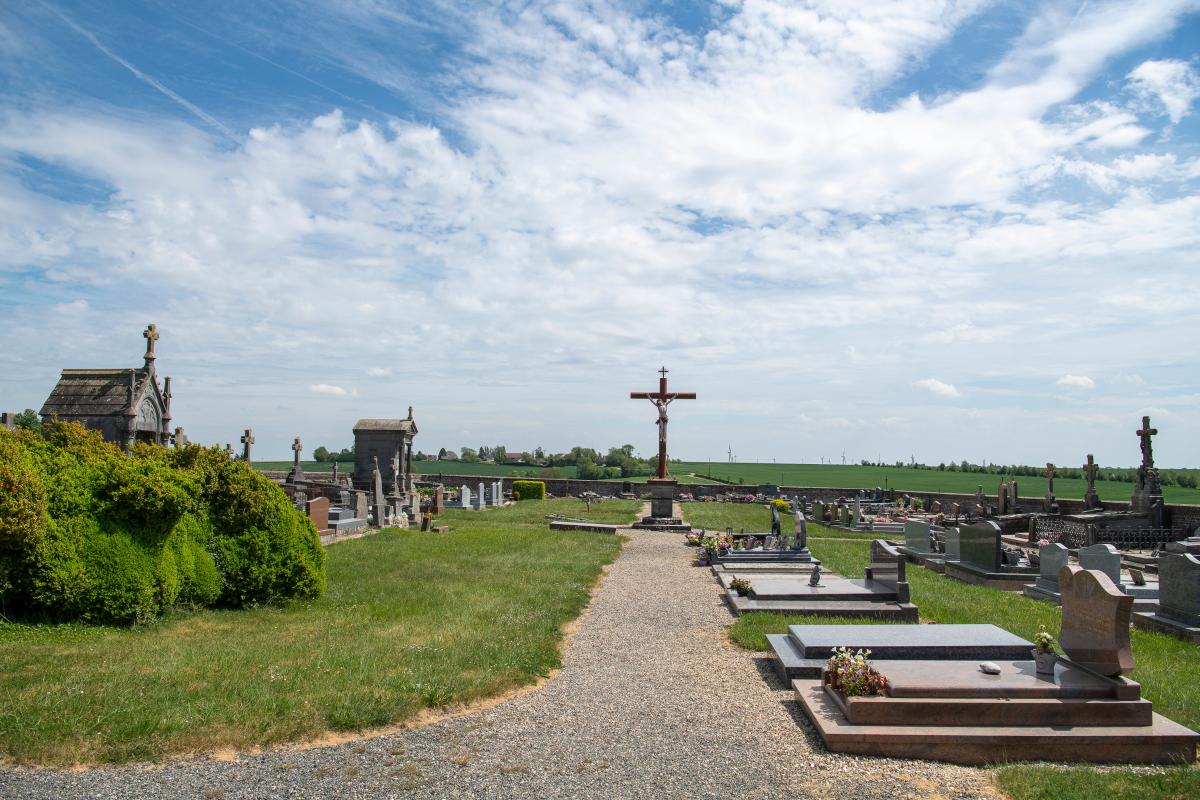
{"points": [[1179, 515]]}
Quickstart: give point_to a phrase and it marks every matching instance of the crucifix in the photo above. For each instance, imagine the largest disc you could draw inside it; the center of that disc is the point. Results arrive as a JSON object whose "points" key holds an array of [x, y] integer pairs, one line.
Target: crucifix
{"points": [[1144, 434], [661, 399], [247, 440], [151, 334], [296, 448]]}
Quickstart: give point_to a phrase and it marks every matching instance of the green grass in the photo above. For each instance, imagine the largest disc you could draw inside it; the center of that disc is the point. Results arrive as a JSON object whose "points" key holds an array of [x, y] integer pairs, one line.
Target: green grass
{"points": [[410, 621], [1167, 668], [914, 480], [1090, 783]]}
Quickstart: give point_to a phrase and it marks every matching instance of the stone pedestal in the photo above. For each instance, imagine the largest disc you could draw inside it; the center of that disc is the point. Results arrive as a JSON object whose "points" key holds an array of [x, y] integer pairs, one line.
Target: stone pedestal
{"points": [[662, 499]]}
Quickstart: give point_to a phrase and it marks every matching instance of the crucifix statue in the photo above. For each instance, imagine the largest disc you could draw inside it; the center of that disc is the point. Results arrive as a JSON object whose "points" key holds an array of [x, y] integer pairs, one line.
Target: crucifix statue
{"points": [[661, 399], [296, 448], [247, 440], [151, 334]]}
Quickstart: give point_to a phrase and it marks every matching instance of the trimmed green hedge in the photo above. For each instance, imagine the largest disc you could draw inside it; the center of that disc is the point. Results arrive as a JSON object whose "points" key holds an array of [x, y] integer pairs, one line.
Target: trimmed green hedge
{"points": [[529, 490], [88, 533]]}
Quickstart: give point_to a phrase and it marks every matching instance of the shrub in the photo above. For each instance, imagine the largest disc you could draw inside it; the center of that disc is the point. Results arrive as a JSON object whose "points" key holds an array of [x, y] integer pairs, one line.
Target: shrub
{"points": [[529, 490], [89, 533], [783, 505]]}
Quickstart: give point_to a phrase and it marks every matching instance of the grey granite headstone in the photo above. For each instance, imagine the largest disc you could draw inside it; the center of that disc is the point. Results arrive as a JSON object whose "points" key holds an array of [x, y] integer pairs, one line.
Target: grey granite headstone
{"points": [[979, 545], [1103, 557], [1051, 559], [953, 544], [1179, 588], [1095, 621], [916, 536]]}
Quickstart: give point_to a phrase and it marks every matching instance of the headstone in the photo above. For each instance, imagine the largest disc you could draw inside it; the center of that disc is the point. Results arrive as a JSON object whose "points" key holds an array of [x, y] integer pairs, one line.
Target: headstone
{"points": [[1095, 626], [1105, 558], [916, 536], [800, 539], [439, 500], [479, 500], [935, 507], [360, 505], [953, 544], [464, 496], [377, 501], [318, 511], [1049, 476], [1012, 497], [1179, 588], [775, 526], [1002, 499], [498, 493], [1051, 559], [1136, 575], [247, 440], [1090, 498], [857, 518], [979, 545]]}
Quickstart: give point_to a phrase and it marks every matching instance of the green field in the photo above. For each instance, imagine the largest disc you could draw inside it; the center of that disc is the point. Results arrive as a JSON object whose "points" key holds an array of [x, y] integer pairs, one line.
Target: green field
{"points": [[913, 480], [410, 621], [433, 468]]}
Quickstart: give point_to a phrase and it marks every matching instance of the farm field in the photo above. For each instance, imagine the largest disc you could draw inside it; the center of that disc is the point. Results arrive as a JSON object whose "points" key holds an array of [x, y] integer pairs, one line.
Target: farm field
{"points": [[433, 468], [914, 480]]}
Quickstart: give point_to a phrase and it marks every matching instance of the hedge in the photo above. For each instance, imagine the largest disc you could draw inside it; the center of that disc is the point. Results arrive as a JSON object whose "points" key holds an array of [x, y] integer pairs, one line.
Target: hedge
{"points": [[529, 490], [88, 533]]}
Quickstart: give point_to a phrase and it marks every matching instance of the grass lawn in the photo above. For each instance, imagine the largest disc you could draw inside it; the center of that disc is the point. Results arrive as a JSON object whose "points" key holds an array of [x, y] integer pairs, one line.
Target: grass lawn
{"points": [[410, 621], [914, 480], [1090, 783]]}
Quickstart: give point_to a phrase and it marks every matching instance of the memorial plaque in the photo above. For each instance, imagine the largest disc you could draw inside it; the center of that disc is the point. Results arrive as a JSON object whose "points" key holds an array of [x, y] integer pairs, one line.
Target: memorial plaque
{"points": [[916, 536], [1051, 559], [1179, 588], [1095, 626], [979, 546]]}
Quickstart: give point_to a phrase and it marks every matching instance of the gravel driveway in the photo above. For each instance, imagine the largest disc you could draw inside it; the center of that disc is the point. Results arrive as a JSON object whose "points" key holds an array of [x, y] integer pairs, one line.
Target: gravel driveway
{"points": [[651, 702]]}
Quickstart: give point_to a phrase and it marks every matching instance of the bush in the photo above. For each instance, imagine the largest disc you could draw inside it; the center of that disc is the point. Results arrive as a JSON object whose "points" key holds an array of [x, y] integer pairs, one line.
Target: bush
{"points": [[529, 490], [783, 505], [88, 533]]}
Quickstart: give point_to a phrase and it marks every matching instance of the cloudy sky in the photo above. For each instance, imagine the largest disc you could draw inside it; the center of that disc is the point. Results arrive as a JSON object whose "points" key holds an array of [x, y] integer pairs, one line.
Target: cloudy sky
{"points": [[945, 230]]}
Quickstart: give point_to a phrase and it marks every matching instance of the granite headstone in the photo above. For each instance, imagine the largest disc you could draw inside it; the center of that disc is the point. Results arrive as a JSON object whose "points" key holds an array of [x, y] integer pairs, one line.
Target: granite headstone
{"points": [[1095, 621]]}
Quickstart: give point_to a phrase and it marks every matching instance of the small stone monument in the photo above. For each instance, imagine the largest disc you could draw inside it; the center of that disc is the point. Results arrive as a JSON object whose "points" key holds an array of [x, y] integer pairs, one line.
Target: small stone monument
{"points": [[1049, 499], [1051, 559], [1091, 500], [1095, 626], [1106, 559]]}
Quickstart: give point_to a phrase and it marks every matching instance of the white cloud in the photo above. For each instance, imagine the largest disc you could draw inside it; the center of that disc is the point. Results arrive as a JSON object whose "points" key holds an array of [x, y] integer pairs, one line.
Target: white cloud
{"points": [[1076, 382], [325, 388], [379, 372], [1172, 83], [937, 387]]}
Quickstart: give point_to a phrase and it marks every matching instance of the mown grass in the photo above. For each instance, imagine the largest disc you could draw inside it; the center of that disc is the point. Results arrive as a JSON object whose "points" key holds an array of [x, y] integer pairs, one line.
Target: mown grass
{"points": [[1167, 668], [1026, 782], [410, 621], [755, 517], [853, 476]]}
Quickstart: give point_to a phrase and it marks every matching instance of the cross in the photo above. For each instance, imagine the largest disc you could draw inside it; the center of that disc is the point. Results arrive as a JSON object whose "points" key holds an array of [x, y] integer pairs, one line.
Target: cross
{"points": [[296, 448], [1090, 469], [1049, 475], [1145, 433], [247, 439], [151, 334], [661, 399]]}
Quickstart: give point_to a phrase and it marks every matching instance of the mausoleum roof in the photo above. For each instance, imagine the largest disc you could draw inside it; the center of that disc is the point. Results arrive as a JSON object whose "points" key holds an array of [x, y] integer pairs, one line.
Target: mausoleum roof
{"points": [[94, 392], [399, 425]]}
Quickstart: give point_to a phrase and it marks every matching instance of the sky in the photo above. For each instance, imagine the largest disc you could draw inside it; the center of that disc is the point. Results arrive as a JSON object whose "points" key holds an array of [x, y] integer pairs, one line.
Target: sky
{"points": [[889, 230]]}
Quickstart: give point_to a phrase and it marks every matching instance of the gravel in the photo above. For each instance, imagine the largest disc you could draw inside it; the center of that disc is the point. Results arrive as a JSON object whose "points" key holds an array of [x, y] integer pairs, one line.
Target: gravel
{"points": [[652, 701]]}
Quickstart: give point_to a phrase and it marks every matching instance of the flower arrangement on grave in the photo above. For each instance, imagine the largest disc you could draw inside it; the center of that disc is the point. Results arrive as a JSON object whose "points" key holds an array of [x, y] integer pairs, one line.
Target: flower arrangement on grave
{"points": [[1043, 642], [1043, 653], [852, 675], [693, 540], [741, 586]]}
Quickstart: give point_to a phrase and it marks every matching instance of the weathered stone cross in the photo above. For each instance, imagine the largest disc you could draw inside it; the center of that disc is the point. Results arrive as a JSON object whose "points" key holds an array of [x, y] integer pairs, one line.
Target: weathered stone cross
{"points": [[661, 399], [151, 334], [1147, 452], [247, 440], [1090, 469], [296, 448], [1049, 475]]}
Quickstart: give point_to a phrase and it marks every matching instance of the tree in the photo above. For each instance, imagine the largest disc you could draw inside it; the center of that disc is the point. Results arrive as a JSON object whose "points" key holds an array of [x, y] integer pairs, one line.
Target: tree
{"points": [[28, 419], [499, 453], [441, 453], [321, 455], [539, 455], [470, 456]]}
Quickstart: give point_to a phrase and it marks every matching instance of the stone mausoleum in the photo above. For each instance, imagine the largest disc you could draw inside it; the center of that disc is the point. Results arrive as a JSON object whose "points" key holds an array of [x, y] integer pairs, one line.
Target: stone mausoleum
{"points": [[124, 405], [390, 441]]}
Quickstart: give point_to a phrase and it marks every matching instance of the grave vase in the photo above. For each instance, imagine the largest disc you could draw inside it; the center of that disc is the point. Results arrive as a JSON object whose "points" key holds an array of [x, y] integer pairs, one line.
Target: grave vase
{"points": [[1044, 661]]}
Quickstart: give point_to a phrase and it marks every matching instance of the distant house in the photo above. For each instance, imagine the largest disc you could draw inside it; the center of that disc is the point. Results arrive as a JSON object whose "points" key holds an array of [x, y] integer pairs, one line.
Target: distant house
{"points": [[450, 456], [511, 457], [124, 405]]}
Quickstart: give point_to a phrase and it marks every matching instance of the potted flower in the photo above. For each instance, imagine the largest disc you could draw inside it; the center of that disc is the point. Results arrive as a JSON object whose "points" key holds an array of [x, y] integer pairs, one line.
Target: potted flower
{"points": [[741, 586], [1044, 656], [851, 674]]}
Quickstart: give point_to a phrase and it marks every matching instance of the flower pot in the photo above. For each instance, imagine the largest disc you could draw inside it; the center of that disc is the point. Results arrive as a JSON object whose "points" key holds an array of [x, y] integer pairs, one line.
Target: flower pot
{"points": [[1044, 662]]}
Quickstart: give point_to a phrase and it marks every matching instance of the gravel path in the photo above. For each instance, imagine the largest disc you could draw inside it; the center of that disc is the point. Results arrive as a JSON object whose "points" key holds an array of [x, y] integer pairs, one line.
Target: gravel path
{"points": [[651, 702]]}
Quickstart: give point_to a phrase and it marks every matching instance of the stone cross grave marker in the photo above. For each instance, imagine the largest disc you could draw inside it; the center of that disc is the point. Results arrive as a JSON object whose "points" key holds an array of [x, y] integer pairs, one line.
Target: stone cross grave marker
{"points": [[247, 440], [1051, 559], [1049, 475], [1095, 621], [1144, 433], [1105, 558], [296, 450], [661, 399], [1090, 498]]}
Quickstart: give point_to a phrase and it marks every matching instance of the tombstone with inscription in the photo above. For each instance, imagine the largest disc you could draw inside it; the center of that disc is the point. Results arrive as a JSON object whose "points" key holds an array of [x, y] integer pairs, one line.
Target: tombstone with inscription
{"points": [[1104, 558], [981, 560], [916, 537], [953, 551], [1095, 627], [318, 511], [464, 496], [1179, 598]]}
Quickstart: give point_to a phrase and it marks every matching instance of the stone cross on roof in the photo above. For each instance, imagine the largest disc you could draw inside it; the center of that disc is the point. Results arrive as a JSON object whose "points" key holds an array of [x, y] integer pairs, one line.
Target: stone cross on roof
{"points": [[296, 448], [151, 334], [1144, 433]]}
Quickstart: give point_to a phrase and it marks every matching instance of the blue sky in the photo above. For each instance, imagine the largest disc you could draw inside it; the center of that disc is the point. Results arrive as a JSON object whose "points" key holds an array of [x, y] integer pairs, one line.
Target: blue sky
{"points": [[935, 229]]}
